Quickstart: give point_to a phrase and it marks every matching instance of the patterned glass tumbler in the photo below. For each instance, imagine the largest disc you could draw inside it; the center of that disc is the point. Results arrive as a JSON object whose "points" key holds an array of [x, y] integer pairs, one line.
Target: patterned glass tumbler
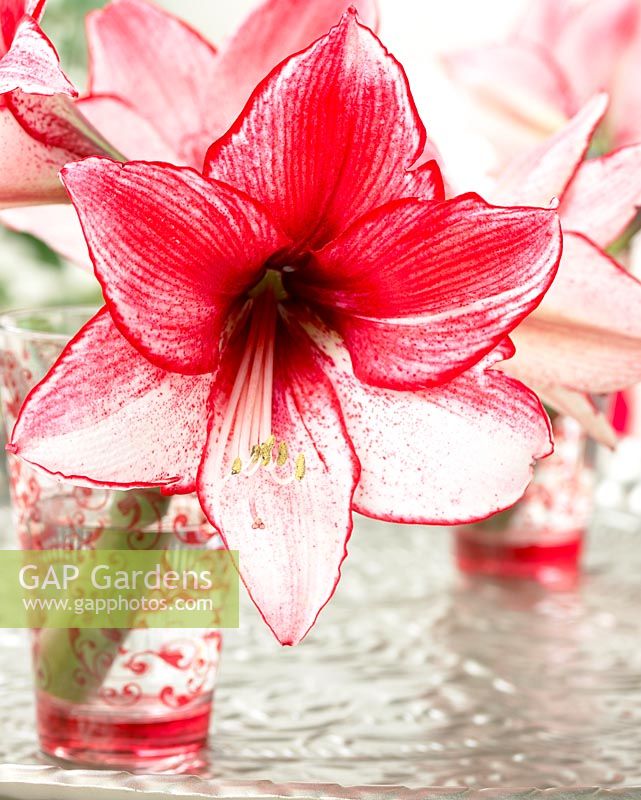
{"points": [[134, 699]]}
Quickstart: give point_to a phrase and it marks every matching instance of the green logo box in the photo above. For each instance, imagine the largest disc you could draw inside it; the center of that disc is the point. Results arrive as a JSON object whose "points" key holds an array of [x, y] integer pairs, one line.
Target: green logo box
{"points": [[183, 588]]}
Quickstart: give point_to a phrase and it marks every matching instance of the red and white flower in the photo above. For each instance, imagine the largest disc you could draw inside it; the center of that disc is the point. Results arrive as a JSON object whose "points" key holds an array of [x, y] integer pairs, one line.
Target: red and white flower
{"points": [[309, 328], [157, 91]]}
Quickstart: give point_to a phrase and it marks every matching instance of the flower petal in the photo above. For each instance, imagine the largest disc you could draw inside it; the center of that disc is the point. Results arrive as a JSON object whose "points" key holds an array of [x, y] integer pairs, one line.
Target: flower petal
{"points": [[28, 169], [421, 291], [32, 64], [581, 407], [455, 453], [519, 92], [105, 415], [543, 174], [586, 335], [184, 249], [125, 129], [271, 33], [160, 66], [56, 224], [604, 196], [316, 179], [625, 113], [291, 538], [543, 21], [592, 41], [57, 122]]}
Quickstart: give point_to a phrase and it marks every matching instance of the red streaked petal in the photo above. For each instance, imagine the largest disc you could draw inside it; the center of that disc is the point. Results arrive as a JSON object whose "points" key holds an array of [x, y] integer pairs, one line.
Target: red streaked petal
{"points": [[586, 335], [56, 224], [581, 408], [105, 415], [543, 174], [318, 178], [32, 64], [291, 538], [421, 291], [126, 129], [28, 169], [604, 196], [271, 33], [455, 453], [160, 66], [519, 92], [172, 252]]}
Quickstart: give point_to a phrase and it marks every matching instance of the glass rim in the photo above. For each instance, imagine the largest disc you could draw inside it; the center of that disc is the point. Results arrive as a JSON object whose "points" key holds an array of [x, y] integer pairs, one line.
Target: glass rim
{"points": [[10, 320]]}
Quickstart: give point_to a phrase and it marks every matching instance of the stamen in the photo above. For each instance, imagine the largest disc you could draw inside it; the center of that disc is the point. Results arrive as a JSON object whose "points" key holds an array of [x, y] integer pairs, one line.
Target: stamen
{"points": [[283, 454], [247, 425], [266, 451]]}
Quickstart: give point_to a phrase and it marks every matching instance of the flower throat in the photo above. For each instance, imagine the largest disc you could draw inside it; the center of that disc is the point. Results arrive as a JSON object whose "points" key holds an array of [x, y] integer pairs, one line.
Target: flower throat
{"points": [[249, 412]]}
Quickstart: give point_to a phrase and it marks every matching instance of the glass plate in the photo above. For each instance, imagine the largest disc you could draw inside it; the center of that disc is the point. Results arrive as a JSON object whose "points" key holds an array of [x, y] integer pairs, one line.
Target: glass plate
{"points": [[413, 676]]}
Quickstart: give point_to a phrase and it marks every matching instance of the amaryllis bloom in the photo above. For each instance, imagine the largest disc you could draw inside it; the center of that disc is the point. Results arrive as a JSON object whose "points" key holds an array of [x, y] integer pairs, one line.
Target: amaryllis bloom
{"points": [[309, 328], [157, 91], [561, 53], [585, 337]]}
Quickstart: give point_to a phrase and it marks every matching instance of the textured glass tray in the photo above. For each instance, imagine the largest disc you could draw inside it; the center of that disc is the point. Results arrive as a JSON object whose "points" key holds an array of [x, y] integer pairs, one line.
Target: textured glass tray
{"points": [[413, 677]]}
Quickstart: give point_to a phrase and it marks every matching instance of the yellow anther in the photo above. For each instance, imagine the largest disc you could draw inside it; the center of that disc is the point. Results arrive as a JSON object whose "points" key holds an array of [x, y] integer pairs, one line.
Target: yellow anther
{"points": [[255, 453], [300, 467], [266, 450], [283, 454], [237, 467]]}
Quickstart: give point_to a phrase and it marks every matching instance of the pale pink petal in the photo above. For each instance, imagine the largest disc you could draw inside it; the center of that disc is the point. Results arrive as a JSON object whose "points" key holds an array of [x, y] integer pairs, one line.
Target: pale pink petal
{"points": [[32, 64], [624, 119], [172, 252], [592, 42], [317, 178], [582, 408], [271, 33], [519, 92], [421, 291], [126, 129], [455, 453], [105, 415], [291, 538], [543, 21], [56, 224], [163, 68], [586, 335], [28, 169], [541, 175], [604, 196]]}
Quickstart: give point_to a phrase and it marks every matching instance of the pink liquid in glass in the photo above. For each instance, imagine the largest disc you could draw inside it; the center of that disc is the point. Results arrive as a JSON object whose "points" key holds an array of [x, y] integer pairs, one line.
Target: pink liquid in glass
{"points": [[119, 739], [550, 564]]}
